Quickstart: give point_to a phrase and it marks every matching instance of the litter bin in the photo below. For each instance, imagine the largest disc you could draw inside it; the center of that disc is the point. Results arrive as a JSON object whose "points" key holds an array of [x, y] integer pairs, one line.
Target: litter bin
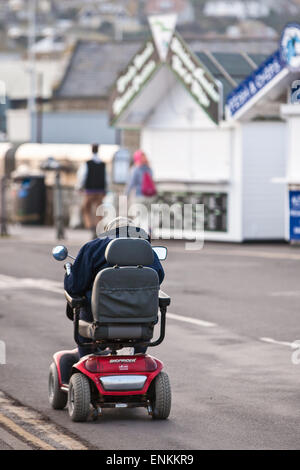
{"points": [[29, 199]]}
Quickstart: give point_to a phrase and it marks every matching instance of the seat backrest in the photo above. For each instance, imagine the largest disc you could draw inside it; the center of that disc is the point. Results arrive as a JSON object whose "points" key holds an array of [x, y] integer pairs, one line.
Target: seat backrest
{"points": [[127, 292]]}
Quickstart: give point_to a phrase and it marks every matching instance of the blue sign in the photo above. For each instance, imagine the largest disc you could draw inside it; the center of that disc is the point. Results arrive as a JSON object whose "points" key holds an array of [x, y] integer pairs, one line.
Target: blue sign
{"points": [[248, 88], [294, 215], [295, 92]]}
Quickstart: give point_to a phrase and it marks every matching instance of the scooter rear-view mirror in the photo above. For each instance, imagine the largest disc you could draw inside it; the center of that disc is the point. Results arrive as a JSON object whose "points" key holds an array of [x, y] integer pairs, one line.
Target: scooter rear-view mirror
{"points": [[60, 253], [161, 251]]}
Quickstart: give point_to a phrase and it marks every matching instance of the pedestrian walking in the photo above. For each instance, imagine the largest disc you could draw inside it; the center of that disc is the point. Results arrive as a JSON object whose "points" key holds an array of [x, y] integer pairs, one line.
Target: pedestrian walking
{"points": [[91, 179], [141, 186]]}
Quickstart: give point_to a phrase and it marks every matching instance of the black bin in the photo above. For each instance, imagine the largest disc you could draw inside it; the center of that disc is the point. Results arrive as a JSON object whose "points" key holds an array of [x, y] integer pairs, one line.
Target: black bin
{"points": [[30, 199]]}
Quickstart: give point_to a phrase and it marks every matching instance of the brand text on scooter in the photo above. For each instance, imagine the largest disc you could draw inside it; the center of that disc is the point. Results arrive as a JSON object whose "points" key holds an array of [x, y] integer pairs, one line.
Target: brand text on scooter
{"points": [[117, 361]]}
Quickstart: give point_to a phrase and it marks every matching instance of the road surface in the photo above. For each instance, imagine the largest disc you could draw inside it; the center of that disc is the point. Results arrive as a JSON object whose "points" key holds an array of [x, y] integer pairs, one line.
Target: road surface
{"points": [[228, 351]]}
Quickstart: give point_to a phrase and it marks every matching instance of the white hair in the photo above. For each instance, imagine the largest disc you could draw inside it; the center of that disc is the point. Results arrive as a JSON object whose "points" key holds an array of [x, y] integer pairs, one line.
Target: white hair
{"points": [[119, 222]]}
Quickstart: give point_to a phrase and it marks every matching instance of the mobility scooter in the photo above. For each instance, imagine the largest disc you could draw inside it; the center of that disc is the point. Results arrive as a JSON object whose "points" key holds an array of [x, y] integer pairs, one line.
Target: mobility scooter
{"points": [[126, 299]]}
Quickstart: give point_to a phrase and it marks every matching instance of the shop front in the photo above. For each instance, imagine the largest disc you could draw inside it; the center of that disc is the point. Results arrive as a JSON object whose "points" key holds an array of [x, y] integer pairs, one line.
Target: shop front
{"points": [[213, 128], [270, 96]]}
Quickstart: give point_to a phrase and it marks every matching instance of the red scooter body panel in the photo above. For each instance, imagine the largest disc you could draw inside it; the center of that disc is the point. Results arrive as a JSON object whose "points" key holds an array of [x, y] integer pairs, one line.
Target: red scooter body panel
{"points": [[57, 356], [96, 367]]}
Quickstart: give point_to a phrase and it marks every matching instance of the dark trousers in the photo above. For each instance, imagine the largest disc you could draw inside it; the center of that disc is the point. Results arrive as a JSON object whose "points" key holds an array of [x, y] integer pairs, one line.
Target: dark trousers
{"points": [[86, 315]]}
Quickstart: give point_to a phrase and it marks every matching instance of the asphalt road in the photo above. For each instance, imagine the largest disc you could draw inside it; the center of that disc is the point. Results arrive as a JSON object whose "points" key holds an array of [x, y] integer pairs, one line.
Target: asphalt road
{"points": [[229, 358]]}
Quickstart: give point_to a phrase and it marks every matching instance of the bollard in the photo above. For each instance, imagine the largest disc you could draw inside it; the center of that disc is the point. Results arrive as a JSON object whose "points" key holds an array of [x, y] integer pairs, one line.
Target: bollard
{"points": [[53, 165], [3, 215]]}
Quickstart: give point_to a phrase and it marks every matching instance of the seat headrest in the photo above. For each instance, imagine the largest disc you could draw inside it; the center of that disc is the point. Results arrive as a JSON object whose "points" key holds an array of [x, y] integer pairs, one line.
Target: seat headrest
{"points": [[129, 252]]}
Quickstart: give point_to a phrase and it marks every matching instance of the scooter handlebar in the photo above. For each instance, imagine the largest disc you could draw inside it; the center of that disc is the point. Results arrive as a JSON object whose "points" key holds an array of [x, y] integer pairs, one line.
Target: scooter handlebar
{"points": [[68, 267]]}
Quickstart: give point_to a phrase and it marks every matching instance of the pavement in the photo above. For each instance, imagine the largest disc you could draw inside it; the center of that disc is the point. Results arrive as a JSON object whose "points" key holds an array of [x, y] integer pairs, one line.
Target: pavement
{"points": [[229, 350], [43, 235]]}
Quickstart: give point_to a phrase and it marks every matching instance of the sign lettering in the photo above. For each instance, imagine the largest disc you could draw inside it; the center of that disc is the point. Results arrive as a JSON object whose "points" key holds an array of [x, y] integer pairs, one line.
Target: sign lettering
{"points": [[185, 65], [261, 77], [130, 83], [196, 78]]}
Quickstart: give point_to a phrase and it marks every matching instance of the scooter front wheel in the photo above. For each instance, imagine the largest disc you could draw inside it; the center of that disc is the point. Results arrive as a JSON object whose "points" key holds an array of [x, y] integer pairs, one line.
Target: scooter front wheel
{"points": [[57, 398], [79, 398], [162, 397]]}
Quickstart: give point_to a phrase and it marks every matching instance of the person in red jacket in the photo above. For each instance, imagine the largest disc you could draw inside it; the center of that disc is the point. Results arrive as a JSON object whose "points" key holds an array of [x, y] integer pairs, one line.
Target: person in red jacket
{"points": [[141, 188]]}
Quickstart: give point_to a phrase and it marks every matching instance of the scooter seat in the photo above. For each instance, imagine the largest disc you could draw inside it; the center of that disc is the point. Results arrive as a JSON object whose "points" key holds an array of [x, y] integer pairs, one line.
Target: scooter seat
{"points": [[125, 297], [98, 332]]}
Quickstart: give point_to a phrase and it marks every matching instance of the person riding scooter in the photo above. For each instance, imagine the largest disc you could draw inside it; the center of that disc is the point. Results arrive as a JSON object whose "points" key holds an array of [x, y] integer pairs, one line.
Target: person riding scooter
{"points": [[126, 304], [91, 260]]}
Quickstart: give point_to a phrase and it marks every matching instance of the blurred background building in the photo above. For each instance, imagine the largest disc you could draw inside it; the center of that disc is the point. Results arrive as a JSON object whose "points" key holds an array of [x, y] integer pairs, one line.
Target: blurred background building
{"points": [[59, 69], [80, 46]]}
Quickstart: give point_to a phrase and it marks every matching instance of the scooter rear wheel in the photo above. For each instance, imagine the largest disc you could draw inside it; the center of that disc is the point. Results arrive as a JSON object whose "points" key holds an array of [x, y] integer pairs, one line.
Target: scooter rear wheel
{"points": [[57, 398], [162, 397], [79, 398]]}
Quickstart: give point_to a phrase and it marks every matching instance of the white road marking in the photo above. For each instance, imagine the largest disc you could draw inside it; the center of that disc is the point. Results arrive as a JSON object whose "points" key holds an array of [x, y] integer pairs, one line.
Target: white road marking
{"points": [[194, 321], [241, 252], [295, 293], [10, 282], [253, 254], [282, 343]]}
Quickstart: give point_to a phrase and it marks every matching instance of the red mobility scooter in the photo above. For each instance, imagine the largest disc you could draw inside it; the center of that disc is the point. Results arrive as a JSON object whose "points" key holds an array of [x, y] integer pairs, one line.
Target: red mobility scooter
{"points": [[126, 299]]}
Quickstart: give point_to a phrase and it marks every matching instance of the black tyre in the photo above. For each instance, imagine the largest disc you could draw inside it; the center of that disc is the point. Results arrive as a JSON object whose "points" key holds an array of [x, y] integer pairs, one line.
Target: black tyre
{"points": [[79, 398], [162, 397], [57, 398]]}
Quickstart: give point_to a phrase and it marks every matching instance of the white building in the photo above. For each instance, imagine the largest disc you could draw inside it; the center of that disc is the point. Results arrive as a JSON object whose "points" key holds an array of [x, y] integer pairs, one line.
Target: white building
{"points": [[236, 8], [236, 163], [182, 8], [15, 78]]}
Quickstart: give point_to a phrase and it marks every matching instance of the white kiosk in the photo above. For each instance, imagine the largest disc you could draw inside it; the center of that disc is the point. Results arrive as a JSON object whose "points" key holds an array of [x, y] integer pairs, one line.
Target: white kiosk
{"points": [[227, 158]]}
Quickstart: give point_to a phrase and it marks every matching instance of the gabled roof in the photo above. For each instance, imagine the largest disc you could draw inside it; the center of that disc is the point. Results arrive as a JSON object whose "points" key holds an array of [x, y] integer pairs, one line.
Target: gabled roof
{"points": [[94, 67]]}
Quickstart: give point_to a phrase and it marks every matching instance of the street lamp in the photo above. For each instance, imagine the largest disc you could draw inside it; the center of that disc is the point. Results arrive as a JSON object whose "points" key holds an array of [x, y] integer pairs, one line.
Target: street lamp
{"points": [[31, 57]]}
